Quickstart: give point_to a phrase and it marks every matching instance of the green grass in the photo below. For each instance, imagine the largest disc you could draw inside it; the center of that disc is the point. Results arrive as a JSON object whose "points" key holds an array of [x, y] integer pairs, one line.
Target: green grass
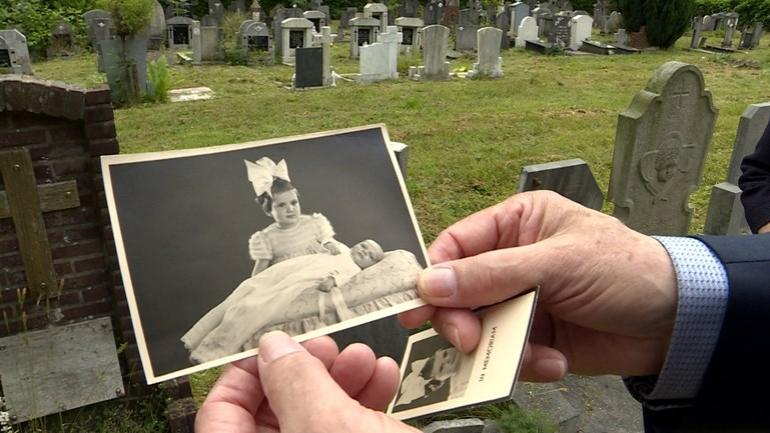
{"points": [[468, 139]]}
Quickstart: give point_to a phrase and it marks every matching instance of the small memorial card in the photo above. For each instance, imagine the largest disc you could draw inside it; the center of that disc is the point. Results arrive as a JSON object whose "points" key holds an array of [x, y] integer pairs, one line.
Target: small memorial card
{"points": [[436, 377], [309, 235]]}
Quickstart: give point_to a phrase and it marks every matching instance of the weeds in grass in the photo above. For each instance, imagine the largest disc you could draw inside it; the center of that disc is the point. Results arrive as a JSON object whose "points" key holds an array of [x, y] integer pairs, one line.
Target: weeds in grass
{"points": [[160, 80]]}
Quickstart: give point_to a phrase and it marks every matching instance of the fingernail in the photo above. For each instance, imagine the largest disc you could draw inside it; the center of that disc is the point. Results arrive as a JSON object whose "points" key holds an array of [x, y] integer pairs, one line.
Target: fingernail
{"points": [[438, 282], [275, 345], [551, 368], [454, 336]]}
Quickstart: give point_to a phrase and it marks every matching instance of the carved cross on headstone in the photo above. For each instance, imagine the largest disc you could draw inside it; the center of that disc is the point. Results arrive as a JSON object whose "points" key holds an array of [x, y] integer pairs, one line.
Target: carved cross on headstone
{"points": [[25, 201], [680, 95]]}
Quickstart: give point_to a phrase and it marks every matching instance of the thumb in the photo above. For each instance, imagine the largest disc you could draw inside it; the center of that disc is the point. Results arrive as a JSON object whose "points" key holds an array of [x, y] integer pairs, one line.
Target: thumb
{"points": [[302, 394], [486, 278]]}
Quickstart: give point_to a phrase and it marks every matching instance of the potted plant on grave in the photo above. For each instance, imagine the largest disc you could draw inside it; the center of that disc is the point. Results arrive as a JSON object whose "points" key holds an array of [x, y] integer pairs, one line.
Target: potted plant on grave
{"points": [[127, 51]]}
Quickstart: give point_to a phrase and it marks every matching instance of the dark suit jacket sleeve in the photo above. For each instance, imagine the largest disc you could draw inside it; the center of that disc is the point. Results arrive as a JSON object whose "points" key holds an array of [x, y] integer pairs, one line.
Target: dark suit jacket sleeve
{"points": [[755, 183], [735, 393]]}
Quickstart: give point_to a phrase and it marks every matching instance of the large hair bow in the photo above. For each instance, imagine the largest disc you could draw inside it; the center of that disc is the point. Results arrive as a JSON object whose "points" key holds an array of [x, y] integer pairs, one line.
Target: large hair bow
{"points": [[262, 172]]}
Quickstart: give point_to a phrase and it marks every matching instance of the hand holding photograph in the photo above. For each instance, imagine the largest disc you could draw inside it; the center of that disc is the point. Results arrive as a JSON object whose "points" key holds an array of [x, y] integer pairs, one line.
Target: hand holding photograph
{"points": [[217, 246], [436, 377]]}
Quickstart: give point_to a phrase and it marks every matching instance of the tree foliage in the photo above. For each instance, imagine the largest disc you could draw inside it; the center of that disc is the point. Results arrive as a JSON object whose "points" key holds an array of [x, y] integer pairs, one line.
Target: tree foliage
{"points": [[129, 16], [665, 20], [36, 19]]}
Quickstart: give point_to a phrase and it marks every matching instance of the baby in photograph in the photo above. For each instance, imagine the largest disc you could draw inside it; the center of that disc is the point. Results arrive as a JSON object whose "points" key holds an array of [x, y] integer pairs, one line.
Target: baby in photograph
{"points": [[295, 253], [439, 377]]}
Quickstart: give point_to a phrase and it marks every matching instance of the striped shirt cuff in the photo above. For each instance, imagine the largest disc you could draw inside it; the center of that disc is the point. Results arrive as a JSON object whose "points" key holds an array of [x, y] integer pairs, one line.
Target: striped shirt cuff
{"points": [[703, 291]]}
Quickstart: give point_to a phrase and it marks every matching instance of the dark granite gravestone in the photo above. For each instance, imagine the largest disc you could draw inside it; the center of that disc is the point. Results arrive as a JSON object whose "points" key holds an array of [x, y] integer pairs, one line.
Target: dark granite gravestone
{"points": [[308, 67], [571, 178], [180, 34], [5, 58], [560, 34], [408, 35], [503, 22], [296, 39], [363, 35]]}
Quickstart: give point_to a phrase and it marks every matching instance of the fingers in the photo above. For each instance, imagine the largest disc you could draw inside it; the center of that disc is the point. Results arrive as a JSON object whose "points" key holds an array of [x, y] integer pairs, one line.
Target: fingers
{"points": [[353, 368], [382, 385], [461, 327], [323, 348], [302, 394], [239, 385], [542, 364], [486, 278]]}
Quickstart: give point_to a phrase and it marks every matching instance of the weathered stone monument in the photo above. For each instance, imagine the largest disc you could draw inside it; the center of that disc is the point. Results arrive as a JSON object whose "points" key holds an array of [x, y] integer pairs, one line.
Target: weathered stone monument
{"points": [[362, 31], [256, 37], [697, 32], [318, 19], [278, 14], [179, 33], [467, 31], [296, 33], [660, 151], [157, 27], [613, 23], [435, 66], [503, 22], [527, 32], [411, 29], [726, 214], [731, 25], [519, 11], [580, 30], [561, 31], [62, 41], [379, 12], [14, 54], [750, 36], [489, 64], [379, 61], [196, 42], [571, 178]]}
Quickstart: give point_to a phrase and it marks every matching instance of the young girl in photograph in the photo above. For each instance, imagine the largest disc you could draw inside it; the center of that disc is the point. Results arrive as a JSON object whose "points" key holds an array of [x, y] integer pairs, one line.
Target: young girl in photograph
{"points": [[294, 253]]}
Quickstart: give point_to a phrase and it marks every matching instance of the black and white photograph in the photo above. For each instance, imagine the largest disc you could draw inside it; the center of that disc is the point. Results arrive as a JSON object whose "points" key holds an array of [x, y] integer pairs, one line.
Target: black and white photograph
{"points": [[217, 246], [436, 377]]}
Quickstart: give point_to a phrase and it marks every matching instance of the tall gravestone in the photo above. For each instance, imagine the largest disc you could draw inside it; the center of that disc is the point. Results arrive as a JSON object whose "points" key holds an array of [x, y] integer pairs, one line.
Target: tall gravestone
{"points": [[561, 30], [731, 24], [697, 30], [660, 151], [295, 33], [13, 45], [435, 66], [467, 31], [580, 30], [726, 214], [527, 32], [503, 22], [411, 29], [489, 62], [157, 27], [571, 178], [379, 61], [519, 11]]}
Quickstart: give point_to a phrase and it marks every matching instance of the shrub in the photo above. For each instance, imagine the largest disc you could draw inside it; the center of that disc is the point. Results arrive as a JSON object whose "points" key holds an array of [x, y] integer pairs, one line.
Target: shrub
{"points": [[160, 79], [667, 20], [129, 16], [633, 14]]}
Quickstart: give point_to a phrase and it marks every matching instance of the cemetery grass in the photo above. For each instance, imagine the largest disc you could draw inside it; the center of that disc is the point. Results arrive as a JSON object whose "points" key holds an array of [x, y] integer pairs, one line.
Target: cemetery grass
{"points": [[468, 139]]}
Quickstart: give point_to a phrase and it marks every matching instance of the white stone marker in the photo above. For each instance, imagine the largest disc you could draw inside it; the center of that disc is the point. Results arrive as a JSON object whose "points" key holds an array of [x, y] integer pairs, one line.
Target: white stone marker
{"points": [[580, 30], [490, 63], [325, 39], [527, 32], [379, 61], [196, 42], [435, 66]]}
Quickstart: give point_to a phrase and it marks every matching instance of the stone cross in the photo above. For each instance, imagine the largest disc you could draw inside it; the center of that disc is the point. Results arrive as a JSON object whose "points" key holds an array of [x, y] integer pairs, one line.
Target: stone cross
{"points": [[660, 151], [489, 63], [726, 214], [25, 202]]}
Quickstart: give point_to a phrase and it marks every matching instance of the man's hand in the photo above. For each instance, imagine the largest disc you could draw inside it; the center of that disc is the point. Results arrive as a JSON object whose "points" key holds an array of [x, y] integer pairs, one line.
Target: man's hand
{"points": [[312, 389], [608, 294], [764, 229]]}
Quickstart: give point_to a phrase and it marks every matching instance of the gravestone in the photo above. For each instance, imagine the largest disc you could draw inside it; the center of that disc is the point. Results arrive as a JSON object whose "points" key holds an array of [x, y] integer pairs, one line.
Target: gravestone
{"points": [[621, 38], [726, 214], [325, 39], [256, 37], [708, 24], [379, 61], [318, 19], [519, 11], [756, 35], [13, 46], [195, 42], [527, 32], [362, 31], [408, 8], [467, 31], [731, 24], [62, 41], [157, 27], [489, 64], [750, 36], [580, 30], [347, 15], [660, 151], [433, 13], [435, 66], [541, 14], [379, 12], [601, 13], [211, 49], [718, 21], [309, 67], [503, 22], [613, 23], [561, 31], [179, 33], [99, 29], [280, 13], [697, 30], [411, 30], [571, 178], [92, 15], [117, 52], [296, 33]]}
